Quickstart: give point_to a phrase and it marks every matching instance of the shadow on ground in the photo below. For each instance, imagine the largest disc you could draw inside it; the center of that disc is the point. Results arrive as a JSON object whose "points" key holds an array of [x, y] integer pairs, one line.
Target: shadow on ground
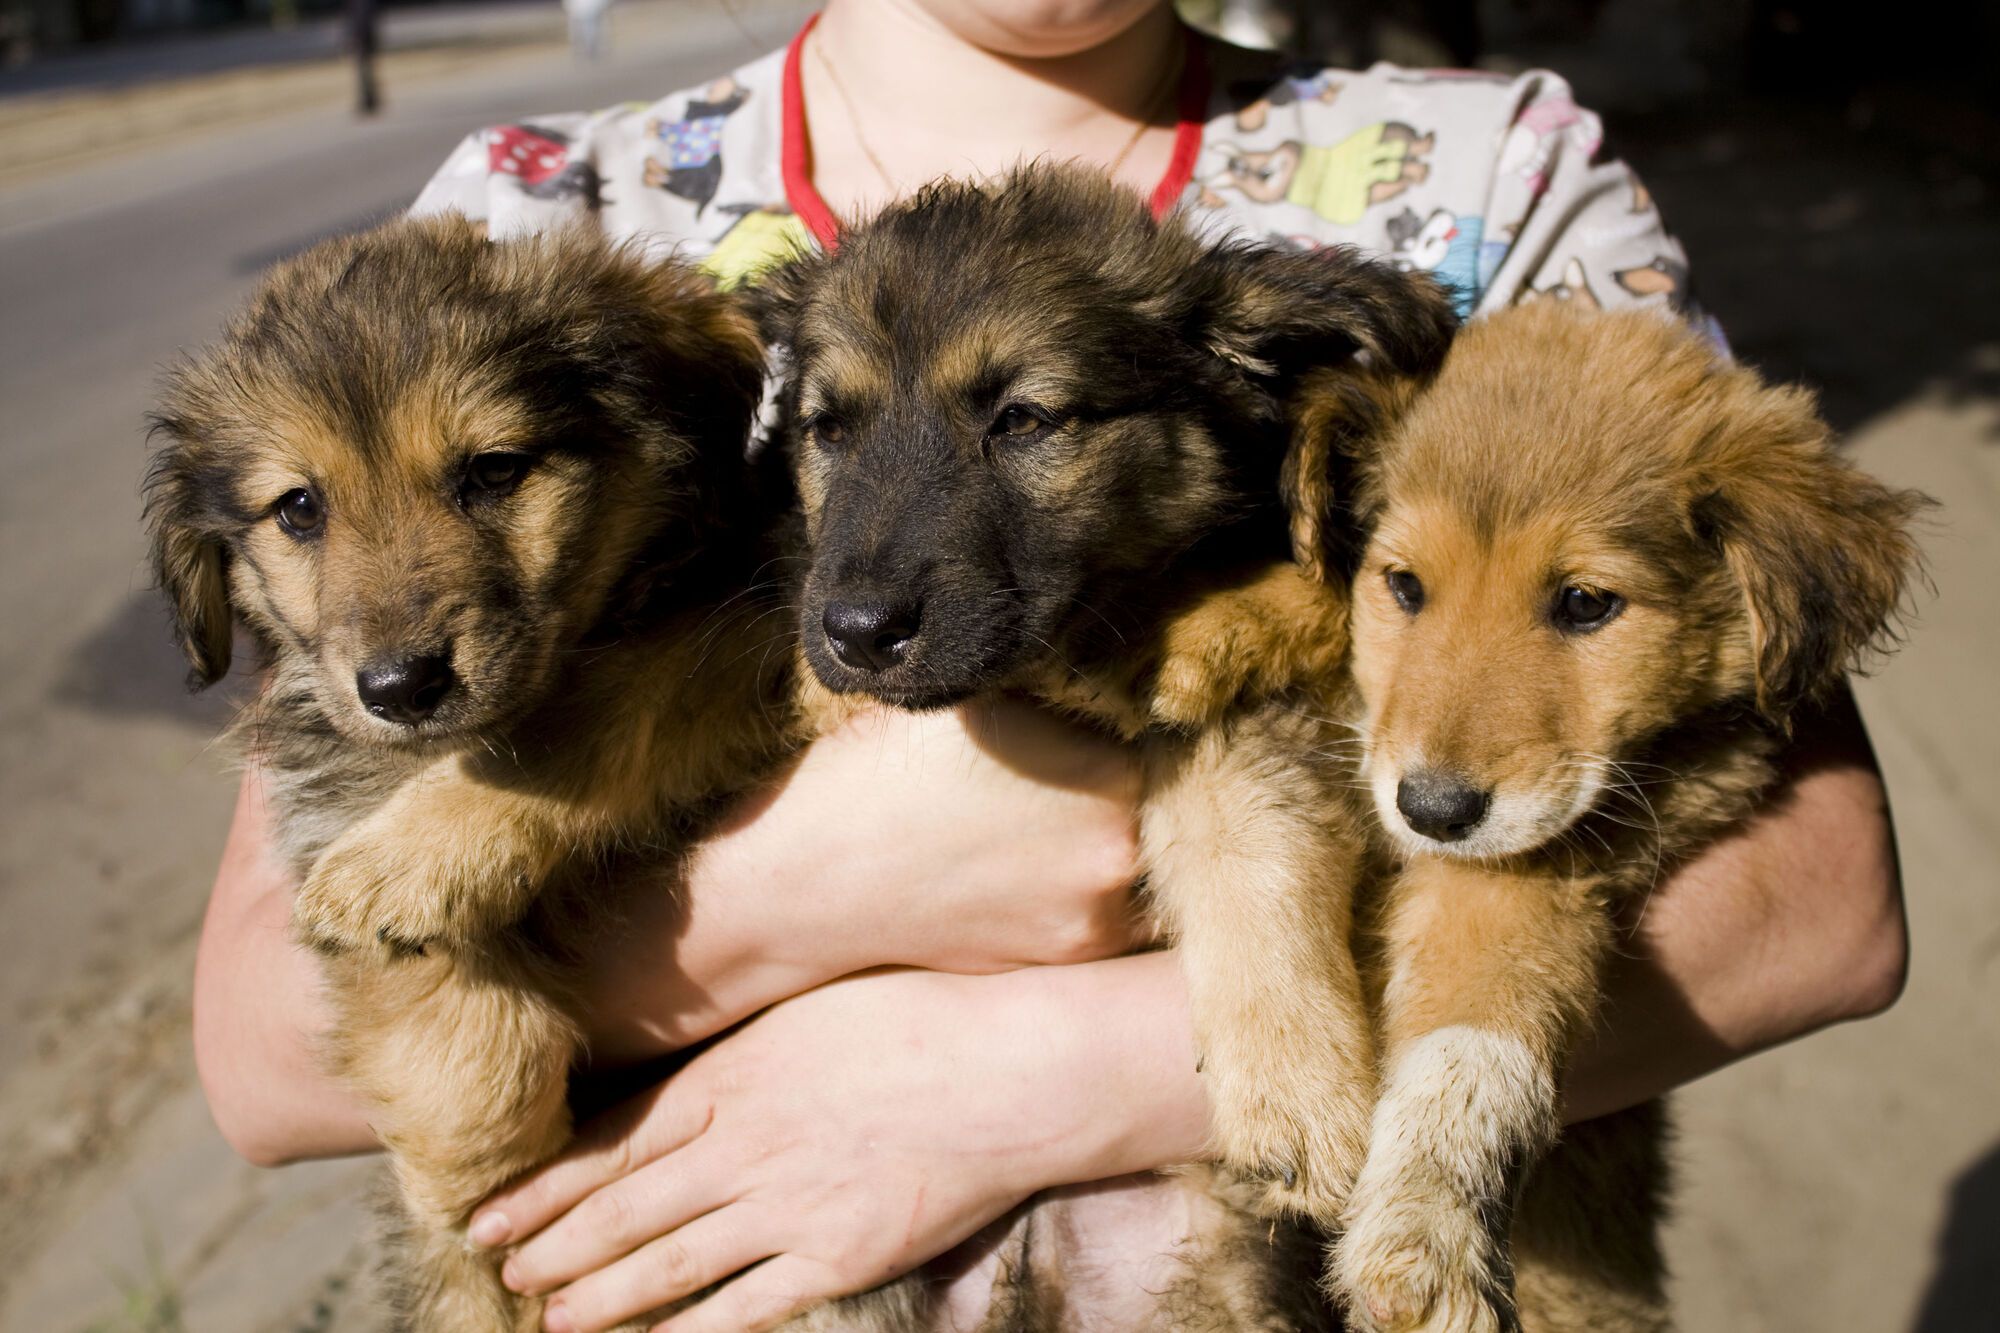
{"points": [[1960, 1298], [130, 665]]}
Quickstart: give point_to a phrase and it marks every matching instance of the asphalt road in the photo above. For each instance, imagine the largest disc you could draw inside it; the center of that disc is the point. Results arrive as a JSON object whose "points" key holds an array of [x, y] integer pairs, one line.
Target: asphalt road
{"points": [[1848, 1184]]}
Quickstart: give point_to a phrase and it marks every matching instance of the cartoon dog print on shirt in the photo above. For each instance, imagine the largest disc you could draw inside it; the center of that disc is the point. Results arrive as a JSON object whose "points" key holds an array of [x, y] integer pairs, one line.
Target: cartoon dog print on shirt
{"points": [[1370, 166], [537, 159], [761, 236], [1573, 287], [1540, 131], [1665, 276], [1450, 248], [690, 165], [1296, 83]]}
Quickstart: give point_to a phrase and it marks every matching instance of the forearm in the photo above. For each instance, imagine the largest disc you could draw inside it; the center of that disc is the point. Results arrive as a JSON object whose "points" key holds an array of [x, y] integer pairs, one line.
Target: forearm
{"points": [[1788, 925], [259, 1012], [896, 841]]}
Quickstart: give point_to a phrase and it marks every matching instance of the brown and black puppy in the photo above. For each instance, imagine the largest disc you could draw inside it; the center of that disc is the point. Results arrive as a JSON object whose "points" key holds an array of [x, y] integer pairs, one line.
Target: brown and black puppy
{"points": [[1604, 570], [484, 511], [1039, 438]]}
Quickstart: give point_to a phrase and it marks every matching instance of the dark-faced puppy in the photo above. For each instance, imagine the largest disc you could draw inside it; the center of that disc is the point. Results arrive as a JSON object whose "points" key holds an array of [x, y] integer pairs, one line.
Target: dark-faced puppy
{"points": [[484, 513], [1016, 406], [1604, 568], [1040, 438]]}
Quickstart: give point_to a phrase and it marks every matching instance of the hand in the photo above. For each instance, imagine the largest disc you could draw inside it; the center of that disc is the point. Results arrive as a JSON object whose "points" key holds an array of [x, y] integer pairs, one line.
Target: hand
{"points": [[852, 1134], [972, 840]]}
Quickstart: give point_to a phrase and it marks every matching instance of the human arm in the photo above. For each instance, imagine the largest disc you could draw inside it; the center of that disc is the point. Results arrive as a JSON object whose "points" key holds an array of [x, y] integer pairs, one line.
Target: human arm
{"points": [[852, 1133], [831, 869], [1791, 924], [1788, 925]]}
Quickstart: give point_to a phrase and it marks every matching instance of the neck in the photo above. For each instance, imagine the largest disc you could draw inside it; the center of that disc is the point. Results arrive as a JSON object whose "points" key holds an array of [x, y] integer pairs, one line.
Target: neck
{"points": [[908, 98]]}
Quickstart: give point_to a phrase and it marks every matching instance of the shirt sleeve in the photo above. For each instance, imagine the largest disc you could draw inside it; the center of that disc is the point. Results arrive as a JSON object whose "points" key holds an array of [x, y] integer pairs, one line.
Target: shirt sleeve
{"points": [[1564, 221], [521, 178]]}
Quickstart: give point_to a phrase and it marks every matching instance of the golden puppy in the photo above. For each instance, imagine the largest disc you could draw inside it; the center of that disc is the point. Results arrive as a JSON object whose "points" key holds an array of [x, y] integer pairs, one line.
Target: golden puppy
{"points": [[1603, 571]]}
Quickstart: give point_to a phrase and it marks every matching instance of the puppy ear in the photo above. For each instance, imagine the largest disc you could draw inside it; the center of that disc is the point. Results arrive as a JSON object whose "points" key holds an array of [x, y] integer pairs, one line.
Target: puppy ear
{"points": [[1276, 312], [1337, 415], [1821, 553], [189, 564], [711, 357], [775, 296]]}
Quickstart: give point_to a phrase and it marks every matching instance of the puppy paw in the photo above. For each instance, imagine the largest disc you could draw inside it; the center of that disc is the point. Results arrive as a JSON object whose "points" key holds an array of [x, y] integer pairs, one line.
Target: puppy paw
{"points": [[1297, 1132], [1420, 1260], [367, 893]]}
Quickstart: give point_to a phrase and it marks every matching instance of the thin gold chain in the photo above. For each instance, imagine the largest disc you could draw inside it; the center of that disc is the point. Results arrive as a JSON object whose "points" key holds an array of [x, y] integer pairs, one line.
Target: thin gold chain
{"points": [[1145, 119]]}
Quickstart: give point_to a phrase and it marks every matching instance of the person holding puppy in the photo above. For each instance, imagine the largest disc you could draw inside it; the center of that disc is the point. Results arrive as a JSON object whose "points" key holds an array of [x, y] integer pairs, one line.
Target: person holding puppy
{"points": [[929, 914]]}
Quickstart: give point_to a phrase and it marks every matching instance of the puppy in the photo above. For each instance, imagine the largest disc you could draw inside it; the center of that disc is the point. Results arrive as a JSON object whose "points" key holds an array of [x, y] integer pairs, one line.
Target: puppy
{"points": [[1603, 572], [484, 512], [1039, 439]]}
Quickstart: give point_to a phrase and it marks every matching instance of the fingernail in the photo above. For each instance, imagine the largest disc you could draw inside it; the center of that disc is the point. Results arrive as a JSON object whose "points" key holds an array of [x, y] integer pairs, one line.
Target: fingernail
{"points": [[556, 1319], [510, 1277], [491, 1229]]}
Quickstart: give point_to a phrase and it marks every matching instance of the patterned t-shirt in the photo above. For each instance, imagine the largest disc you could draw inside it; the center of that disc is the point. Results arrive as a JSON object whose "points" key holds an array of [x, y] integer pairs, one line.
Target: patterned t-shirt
{"points": [[1496, 184]]}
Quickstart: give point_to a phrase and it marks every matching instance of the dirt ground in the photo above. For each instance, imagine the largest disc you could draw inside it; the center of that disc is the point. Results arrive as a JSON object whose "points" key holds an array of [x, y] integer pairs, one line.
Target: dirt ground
{"points": [[1847, 1184]]}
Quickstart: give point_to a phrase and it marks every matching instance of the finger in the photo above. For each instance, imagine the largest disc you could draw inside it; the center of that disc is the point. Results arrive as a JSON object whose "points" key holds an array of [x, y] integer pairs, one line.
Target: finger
{"points": [[762, 1298], [609, 1148], [664, 1194], [701, 1253]]}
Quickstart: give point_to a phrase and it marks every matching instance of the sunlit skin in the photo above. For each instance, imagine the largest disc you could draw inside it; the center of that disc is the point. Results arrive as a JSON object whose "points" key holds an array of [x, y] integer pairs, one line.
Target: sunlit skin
{"points": [[901, 841]]}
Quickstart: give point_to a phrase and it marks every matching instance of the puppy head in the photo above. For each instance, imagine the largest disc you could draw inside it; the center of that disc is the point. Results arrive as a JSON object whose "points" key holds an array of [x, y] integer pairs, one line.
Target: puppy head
{"points": [[418, 464], [1586, 530], [1010, 399]]}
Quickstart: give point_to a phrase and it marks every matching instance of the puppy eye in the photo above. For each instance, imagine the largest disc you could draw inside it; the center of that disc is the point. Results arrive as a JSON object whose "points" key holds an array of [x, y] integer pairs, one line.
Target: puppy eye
{"points": [[490, 476], [830, 432], [1017, 422], [1407, 589], [1581, 610], [299, 513]]}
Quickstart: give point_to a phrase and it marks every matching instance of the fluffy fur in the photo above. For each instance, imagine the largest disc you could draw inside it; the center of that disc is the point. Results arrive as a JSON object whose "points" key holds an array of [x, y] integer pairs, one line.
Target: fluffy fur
{"points": [[1041, 441], [1603, 570], [527, 461]]}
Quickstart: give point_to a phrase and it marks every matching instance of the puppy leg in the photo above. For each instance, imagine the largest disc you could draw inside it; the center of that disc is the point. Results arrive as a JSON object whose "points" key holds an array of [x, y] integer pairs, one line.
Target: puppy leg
{"points": [[466, 1065], [1491, 974], [448, 859], [1586, 1234], [1252, 857]]}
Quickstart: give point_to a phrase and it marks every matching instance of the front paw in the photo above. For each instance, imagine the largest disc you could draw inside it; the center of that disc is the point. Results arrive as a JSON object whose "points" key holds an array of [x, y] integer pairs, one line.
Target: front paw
{"points": [[1413, 1258], [1296, 1131], [366, 893]]}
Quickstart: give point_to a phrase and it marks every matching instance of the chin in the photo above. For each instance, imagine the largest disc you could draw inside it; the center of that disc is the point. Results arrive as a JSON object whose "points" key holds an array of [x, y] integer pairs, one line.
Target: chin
{"points": [[1039, 29]]}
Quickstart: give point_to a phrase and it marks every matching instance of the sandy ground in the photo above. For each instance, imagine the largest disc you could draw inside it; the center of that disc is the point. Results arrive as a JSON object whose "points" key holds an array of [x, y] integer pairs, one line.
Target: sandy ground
{"points": [[1848, 1184]]}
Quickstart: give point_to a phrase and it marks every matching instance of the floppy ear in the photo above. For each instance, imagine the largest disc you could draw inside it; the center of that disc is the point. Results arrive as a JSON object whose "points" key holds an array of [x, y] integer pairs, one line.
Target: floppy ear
{"points": [[1821, 553], [776, 296], [1277, 312], [709, 335], [1337, 417], [189, 564]]}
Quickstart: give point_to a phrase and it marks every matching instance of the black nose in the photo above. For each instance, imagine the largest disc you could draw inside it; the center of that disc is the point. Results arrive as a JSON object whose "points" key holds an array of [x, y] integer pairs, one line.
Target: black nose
{"points": [[405, 689], [870, 636], [1439, 806]]}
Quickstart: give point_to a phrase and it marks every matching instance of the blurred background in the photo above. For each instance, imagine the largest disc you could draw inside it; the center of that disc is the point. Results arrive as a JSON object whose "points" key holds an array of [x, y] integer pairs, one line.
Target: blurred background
{"points": [[1833, 169]]}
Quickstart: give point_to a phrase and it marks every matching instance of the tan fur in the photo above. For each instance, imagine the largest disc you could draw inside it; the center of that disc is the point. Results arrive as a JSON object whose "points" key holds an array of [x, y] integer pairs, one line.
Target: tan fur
{"points": [[618, 669], [1042, 432], [1562, 448]]}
